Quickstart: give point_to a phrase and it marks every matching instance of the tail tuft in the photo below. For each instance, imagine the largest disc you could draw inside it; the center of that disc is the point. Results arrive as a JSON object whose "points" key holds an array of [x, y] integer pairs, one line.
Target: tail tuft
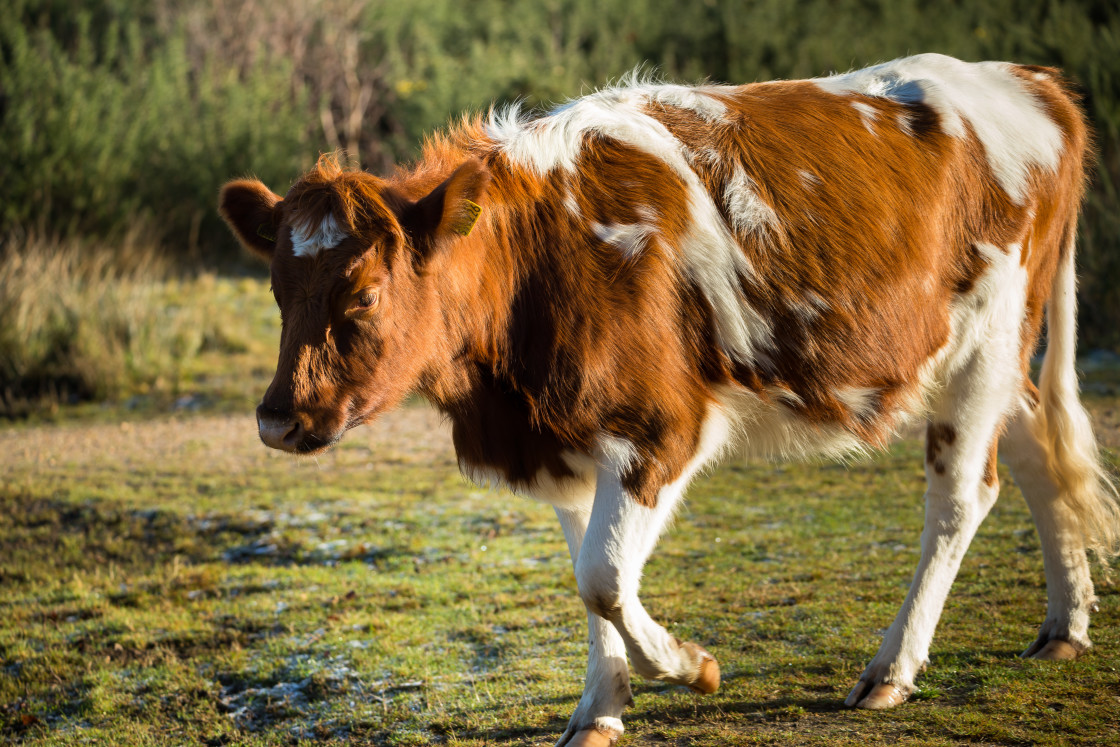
{"points": [[1074, 459]]}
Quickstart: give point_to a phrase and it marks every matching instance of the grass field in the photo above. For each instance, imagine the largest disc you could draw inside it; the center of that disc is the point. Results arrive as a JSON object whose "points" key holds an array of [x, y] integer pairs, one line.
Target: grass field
{"points": [[168, 580]]}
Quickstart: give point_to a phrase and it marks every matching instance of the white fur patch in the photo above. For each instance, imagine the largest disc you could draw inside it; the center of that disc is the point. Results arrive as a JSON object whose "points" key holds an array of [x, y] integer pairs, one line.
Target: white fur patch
{"points": [[809, 180], [868, 113], [989, 316], [629, 238], [327, 235], [809, 308], [561, 492], [766, 429], [861, 401], [1009, 121], [614, 452], [748, 212], [572, 205], [686, 97]]}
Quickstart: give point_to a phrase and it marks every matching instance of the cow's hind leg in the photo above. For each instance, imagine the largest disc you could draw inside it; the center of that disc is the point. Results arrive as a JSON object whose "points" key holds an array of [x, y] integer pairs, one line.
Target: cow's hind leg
{"points": [[961, 442], [1069, 587], [606, 693]]}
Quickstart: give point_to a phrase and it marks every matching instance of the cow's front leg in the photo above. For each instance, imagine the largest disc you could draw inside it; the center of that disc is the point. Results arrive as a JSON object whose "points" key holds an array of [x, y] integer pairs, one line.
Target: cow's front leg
{"points": [[620, 537], [606, 690]]}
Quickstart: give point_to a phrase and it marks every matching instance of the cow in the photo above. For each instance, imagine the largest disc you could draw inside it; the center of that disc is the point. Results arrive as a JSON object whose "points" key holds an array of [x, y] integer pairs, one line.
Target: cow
{"points": [[607, 297]]}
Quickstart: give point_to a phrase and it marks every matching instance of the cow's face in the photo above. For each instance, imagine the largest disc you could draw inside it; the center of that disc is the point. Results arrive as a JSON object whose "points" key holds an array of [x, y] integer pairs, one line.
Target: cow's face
{"points": [[355, 274]]}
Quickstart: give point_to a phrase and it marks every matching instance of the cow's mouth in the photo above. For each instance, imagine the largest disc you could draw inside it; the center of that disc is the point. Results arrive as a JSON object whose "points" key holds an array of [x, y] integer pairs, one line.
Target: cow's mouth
{"points": [[313, 443]]}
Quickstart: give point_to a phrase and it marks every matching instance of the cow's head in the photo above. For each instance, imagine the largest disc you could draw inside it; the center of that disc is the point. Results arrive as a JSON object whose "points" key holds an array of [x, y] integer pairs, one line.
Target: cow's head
{"points": [[355, 272]]}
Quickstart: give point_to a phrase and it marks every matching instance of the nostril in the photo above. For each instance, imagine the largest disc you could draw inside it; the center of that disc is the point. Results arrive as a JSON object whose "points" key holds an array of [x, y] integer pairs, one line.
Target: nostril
{"points": [[294, 434], [279, 430]]}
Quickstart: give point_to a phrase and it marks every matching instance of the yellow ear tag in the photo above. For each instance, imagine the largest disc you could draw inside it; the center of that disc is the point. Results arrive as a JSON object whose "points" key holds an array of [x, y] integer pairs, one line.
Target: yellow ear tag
{"points": [[470, 217], [264, 233]]}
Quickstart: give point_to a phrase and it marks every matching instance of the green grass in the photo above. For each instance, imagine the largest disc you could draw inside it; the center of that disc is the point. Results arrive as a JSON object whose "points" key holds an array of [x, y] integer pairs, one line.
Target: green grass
{"points": [[173, 582]]}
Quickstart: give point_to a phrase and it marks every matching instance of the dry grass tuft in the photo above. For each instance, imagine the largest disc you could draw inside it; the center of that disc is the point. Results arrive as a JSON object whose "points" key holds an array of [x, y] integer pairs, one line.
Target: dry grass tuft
{"points": [[83, 320]]}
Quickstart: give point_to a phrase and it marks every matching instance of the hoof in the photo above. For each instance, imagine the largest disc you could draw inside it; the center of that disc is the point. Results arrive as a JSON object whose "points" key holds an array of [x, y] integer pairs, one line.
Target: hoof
{"points": [[591, 738], [1053, 650], [878, 697], [707, 679], [603, 732]]}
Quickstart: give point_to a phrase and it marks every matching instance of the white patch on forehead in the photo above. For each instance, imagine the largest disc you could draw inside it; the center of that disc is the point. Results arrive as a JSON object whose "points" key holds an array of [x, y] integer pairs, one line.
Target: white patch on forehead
{"points": [[629, 238], [1008, 120], [708, 251], [868, 114], [747, 211], [327, 235]]}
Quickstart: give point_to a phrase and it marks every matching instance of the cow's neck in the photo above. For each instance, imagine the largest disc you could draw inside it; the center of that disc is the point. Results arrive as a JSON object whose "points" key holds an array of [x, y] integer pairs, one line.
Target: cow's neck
{"points": [[498, 285]]}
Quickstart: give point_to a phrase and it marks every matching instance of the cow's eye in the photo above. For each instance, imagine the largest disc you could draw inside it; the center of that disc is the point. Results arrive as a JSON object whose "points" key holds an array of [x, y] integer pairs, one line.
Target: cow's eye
{"points": [[367, 300]]}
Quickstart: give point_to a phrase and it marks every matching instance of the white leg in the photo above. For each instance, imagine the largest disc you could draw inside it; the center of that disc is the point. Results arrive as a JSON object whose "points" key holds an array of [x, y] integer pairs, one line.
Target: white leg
{"points": [[961, 489], [606, 690], [1069, 587], [620, 537]]}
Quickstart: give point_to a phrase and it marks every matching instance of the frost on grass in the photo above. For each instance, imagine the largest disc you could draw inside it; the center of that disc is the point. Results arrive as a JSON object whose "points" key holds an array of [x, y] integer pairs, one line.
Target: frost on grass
{"points": [[311, 695]]}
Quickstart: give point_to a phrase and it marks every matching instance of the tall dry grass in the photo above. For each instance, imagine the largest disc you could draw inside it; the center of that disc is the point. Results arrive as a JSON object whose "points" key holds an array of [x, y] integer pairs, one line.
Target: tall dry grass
{"points": [[87, 320]]}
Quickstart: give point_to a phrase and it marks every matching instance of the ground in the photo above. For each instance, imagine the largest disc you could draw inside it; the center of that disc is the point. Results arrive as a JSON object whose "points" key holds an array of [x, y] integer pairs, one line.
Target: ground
{"points": [[168, 580]]}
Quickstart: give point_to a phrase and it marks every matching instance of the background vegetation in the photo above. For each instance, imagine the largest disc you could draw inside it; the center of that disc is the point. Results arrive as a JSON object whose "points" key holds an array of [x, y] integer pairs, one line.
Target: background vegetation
{"points": [[120, 120]]}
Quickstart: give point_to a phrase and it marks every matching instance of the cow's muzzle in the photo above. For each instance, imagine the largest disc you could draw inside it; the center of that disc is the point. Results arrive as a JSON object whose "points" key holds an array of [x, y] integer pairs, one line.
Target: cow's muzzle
{"points": [[280, 430]]}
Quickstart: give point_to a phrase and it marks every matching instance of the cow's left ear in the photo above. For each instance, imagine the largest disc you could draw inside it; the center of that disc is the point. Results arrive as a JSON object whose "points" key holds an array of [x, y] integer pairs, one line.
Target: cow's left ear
{"points": [[447, 212], [250, 209]]}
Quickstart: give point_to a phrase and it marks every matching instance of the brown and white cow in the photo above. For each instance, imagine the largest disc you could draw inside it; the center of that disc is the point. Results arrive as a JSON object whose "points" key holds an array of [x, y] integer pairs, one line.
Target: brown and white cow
{"points": [[608, 297]]}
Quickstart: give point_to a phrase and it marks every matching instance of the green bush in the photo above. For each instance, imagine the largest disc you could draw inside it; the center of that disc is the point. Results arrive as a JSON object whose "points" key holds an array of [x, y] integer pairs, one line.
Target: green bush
{"points": [[108, 127]]}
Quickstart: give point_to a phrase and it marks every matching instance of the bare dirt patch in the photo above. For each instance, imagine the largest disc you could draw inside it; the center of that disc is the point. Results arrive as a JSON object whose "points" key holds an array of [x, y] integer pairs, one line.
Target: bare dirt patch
{"points": [[414, 434]]}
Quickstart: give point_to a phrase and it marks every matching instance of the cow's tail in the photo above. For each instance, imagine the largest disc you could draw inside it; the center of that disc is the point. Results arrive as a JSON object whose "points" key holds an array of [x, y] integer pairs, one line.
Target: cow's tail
{"points": [[1074, 459]]}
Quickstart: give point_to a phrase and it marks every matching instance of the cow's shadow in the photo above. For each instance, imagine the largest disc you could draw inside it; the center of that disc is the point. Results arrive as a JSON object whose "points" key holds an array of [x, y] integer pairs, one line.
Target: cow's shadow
{"points": [[694, 710], [824, 701]]}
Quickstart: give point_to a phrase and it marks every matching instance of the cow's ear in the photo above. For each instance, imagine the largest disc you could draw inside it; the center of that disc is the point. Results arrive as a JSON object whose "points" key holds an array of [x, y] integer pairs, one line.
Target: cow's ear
{"points": [[250, 209], [449, 211]]}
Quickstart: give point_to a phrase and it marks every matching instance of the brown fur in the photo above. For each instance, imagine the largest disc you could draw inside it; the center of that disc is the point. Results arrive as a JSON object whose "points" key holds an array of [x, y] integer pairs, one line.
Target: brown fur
{"points": [[938, 437], [991, 475]]}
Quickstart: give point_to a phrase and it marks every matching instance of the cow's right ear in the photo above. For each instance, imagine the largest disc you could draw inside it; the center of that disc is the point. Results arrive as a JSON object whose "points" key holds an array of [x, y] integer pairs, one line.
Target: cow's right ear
{"points": [[250, 209], [447, 212]]}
